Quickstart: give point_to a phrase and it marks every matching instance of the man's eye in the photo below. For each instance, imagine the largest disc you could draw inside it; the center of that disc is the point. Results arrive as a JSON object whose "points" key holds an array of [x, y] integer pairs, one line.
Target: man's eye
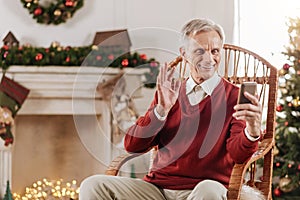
{"points": [[215, 51], [199, 51]]}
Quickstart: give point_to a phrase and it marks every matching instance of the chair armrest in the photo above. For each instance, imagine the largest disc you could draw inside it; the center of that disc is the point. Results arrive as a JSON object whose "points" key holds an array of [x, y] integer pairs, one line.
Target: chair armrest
{"points": [[239, 170], [118, 162]]}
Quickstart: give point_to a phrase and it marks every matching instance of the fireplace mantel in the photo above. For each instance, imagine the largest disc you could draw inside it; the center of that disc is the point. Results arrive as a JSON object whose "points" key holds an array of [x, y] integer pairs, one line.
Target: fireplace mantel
{"points": [[58, 93], [53, 88]]}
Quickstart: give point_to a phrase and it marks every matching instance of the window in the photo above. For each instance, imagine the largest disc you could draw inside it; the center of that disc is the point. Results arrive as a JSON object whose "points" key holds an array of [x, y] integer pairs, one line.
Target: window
{"points": [[261, 26]]}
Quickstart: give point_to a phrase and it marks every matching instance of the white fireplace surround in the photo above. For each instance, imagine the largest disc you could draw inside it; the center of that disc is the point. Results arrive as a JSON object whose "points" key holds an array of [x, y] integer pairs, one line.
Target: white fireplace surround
{"points": [[54, 90]]}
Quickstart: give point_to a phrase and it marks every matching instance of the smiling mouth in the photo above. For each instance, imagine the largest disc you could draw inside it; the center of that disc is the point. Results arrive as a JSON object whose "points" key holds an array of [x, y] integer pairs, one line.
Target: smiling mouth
{"points": [[205, 67]]}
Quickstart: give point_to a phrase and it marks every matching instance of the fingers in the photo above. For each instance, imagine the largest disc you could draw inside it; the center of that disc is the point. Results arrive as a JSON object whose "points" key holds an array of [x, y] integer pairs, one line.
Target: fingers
{"points": [[171, 73], [255, 105], [161, 76], [166, 78], [254, 99], [248, 112], [247, 115]]}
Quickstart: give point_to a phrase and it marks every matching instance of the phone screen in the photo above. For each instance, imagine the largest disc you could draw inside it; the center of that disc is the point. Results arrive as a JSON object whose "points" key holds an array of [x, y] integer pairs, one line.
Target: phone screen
{"points": [[249, 87]]}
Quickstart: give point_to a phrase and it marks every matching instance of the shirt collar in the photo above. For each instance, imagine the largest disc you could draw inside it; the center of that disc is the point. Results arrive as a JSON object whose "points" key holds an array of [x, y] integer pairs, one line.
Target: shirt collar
{"points": [[208, 85]]}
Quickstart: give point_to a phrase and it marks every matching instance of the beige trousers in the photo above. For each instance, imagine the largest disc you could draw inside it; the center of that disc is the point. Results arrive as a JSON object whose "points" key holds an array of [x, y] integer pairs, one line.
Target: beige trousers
{"points": [[102, 187]]}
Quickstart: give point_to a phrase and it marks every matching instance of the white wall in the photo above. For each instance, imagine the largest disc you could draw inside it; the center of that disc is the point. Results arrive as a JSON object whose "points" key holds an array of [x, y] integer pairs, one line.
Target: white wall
{"points": [[164, 17]]}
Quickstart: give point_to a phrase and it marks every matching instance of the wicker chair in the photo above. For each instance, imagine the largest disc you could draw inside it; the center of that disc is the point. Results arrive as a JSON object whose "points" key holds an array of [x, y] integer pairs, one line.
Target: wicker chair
{"points": [[243, 65]]}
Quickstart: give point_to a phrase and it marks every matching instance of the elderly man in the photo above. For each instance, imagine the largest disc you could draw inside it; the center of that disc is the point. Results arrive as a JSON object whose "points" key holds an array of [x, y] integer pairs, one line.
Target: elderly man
{"points": [[197, 125]]}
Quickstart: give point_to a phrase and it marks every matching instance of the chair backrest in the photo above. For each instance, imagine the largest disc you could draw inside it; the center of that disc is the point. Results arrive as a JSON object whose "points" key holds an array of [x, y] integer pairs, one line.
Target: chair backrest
{"points": [[243, 65]]}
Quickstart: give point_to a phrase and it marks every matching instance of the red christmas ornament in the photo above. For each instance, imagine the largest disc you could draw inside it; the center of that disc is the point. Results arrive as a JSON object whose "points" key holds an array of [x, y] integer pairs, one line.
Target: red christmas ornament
{"points": [[277, 192], [298, 72], [286, 123], [47, 50], [69, 3], [134, 61], [277, 164], [286, 66], [38, 11], [8, 141], [279, 108], [68, 59], [143, 56], [290, 104], [5, 54], [110, 57], [298, 167], [98, 57], [290, 165], [125, 63], [5, 47], [38, 57]]}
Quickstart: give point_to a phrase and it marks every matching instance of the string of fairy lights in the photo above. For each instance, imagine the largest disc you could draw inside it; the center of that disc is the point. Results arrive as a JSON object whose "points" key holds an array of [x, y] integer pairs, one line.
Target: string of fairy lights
{"points": [[50, 190]]}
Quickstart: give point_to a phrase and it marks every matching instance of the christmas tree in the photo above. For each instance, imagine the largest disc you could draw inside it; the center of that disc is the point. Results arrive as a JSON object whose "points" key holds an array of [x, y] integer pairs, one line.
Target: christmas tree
{"points": [[287, 151], [8, 194]]}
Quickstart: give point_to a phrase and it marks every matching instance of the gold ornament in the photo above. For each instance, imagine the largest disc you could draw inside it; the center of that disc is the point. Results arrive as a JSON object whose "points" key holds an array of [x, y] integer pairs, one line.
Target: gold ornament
{"points": [[36, 1], [282, 72], [276, 151], [284, 184], [68, 15], [95, 47], [28, 5], [284, 91], [296, 102], [61, 6], [57, 12], [55, 44]]}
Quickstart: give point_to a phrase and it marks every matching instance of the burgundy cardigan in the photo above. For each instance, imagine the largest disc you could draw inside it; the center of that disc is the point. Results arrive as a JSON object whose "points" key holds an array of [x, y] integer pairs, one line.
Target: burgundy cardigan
{"points": [[195, 142]]}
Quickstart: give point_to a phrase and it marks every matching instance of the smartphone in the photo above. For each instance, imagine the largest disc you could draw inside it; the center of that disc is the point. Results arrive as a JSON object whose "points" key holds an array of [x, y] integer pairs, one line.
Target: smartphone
{"points": [[249, 87]]}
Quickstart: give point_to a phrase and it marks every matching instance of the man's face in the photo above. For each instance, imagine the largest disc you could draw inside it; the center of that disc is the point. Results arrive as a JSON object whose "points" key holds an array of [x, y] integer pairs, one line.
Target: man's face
{"points": [[203, 55]]}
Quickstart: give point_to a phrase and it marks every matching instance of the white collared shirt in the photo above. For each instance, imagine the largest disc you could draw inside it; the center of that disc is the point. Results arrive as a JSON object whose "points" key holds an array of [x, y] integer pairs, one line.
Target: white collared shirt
{"points": [[195, 96]]}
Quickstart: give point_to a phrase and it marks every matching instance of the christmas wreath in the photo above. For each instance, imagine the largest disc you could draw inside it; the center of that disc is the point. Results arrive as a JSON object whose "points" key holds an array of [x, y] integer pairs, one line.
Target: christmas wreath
{"points": [[55, 13]]}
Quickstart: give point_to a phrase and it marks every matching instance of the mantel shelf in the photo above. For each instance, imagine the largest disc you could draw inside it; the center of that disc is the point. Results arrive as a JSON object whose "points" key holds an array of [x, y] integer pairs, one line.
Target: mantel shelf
{"points": [[55, 89]]}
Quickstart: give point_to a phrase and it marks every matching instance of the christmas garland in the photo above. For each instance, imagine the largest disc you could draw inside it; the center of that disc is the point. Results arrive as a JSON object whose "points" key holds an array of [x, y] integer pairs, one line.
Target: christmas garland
{"points": [[55, 13], [91, 55]]}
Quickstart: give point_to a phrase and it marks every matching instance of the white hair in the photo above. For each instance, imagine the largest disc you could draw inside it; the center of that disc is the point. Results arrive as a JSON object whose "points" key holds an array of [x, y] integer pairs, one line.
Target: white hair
{"points": [[201, 25]]}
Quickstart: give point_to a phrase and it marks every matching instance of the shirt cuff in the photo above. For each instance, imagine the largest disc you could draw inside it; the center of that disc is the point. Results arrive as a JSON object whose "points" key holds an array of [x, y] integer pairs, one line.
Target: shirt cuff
{"points": [[158, 115], [251, 138]]}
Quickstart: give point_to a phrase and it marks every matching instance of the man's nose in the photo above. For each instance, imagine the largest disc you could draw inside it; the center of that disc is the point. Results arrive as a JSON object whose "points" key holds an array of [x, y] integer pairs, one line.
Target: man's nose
{"points": [[208, 58]]}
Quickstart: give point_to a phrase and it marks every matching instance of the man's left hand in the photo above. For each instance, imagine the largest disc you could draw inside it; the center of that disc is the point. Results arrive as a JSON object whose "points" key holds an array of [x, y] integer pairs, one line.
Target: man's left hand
{"points": [[251, 113]]}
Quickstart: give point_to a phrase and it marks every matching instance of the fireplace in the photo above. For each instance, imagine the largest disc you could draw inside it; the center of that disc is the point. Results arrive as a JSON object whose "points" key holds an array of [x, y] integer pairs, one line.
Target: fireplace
{"points": [[63, 129]]}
